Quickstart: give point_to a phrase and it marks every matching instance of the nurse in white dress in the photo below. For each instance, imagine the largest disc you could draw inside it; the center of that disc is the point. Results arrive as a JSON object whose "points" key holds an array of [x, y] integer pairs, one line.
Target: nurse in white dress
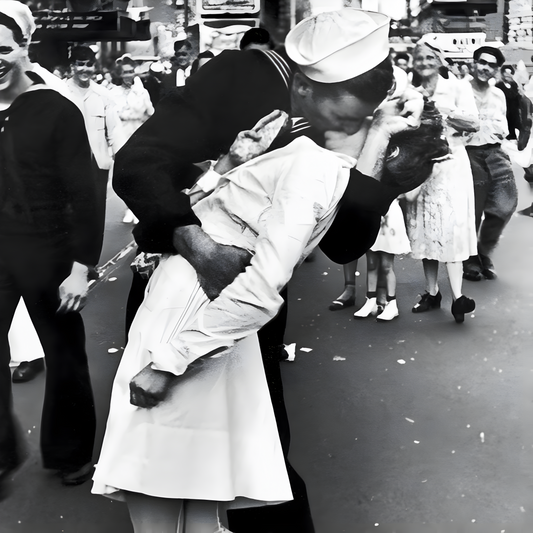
{"points": [[215, 437]]}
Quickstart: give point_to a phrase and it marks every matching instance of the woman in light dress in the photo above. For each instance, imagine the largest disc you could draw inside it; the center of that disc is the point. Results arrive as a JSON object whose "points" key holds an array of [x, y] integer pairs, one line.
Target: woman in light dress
{"points": [[133, 106], [440, 215], [214, 437], [132, 100]]}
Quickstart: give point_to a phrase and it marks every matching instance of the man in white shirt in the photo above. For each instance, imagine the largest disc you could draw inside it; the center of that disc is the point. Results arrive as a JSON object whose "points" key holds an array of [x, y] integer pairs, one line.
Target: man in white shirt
{"points": [[494, 183], [101, 119]]}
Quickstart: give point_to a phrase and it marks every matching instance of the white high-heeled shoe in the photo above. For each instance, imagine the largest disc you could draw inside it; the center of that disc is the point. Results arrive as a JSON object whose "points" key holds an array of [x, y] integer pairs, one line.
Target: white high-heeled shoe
{"points": [[390, 311], [370, 308]]}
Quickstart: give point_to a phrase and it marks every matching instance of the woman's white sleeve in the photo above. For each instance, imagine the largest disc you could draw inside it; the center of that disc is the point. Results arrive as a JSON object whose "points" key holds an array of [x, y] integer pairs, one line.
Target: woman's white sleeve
{"points": [[302, 196]]}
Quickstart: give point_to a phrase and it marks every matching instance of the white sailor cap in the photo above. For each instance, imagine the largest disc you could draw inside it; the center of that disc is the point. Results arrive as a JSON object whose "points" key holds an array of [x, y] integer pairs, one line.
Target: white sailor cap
{"points": [[339, 45], [21, 14]]}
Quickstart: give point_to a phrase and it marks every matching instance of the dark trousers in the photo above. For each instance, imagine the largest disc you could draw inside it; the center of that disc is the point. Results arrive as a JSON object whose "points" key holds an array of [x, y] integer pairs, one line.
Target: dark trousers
{"points": [[102, 178], [495, 194], [33, 268], [290, 517]]}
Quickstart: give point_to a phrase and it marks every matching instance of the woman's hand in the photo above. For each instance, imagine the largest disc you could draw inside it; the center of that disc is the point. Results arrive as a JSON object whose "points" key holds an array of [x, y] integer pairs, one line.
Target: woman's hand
{"points": [[252, 143]]}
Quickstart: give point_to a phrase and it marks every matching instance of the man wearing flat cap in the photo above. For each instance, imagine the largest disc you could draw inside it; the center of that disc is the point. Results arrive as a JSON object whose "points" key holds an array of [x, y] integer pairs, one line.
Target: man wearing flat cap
{"points": [[495, 191], [334, 74], [49, 236]]}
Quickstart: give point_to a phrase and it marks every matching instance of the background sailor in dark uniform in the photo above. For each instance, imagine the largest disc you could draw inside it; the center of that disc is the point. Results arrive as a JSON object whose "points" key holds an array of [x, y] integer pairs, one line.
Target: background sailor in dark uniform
{"points": [[50, 239]]}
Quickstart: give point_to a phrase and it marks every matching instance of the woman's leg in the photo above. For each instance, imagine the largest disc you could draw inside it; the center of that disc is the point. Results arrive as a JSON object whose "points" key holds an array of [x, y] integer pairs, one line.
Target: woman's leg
{"points": [[431, 272], [431, 298], [201, 516], [154, 515], [386, 269], [347, 298], [372, 268], [455, 275], [373, 261], [461, 304], [386, 272]]}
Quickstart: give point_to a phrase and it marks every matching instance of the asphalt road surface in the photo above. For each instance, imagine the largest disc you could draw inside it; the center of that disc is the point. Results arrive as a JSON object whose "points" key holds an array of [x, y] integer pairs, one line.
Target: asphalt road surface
{"points": [[418, 425]]}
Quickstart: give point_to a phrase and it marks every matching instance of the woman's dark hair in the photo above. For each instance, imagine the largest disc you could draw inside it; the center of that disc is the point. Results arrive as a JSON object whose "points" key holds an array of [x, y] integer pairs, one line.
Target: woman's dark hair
{"points": [[507, 67], [411, 154], [372, 86], [9, 23]]}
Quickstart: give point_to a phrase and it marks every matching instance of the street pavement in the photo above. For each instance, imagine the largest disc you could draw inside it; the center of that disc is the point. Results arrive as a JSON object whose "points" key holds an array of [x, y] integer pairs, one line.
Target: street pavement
{"points": [[419, 425]]}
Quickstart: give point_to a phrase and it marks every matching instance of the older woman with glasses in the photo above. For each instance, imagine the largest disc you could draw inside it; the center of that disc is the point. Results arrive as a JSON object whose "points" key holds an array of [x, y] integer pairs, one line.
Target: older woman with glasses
{"points": [[440, 214]]}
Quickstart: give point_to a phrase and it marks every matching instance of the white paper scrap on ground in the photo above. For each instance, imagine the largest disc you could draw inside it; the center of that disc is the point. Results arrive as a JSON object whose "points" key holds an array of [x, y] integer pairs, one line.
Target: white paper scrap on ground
{"points": [[112, 350], [291, 351], [112, 279], [304, 349], [339, 358], [401, 362], [482, 437], [409, 420]]}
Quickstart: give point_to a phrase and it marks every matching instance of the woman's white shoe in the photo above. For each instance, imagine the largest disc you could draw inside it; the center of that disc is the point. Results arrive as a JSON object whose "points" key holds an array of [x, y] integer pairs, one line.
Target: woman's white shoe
{"points": [[390, 311], [370, 308]]}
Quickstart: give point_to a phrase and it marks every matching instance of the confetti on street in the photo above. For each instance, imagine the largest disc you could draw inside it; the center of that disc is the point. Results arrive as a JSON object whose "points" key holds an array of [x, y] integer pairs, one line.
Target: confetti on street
{"points": [[291, 351]]}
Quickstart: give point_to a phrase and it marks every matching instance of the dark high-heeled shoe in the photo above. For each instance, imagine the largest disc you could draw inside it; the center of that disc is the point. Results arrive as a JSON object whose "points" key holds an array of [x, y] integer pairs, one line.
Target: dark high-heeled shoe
{"points": [[427, 302], [461, 306]]}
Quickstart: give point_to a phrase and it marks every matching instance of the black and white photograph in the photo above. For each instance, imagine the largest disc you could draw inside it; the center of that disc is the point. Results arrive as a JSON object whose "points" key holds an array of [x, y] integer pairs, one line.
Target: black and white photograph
{"points": [[265, 266]]}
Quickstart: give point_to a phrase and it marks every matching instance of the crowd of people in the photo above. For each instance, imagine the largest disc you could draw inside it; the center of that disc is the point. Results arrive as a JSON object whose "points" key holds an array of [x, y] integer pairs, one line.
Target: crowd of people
{"points": [[234, 171], [458, 216]]}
